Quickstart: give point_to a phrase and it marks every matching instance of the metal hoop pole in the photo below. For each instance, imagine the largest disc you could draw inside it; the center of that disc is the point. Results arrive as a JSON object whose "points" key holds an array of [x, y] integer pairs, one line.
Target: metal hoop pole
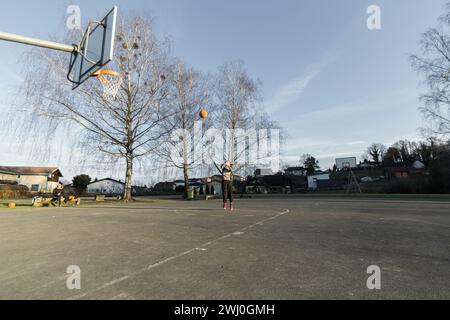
{"points": [[37, 42]]}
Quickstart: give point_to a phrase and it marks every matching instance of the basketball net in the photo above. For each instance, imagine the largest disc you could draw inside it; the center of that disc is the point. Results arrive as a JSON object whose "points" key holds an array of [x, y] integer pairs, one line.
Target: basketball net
{"points": [[111, 82]]}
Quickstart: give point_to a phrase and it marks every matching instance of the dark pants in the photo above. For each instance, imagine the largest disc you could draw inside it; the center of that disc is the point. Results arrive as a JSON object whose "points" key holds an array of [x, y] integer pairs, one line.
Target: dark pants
{"points": [[227, 192]]}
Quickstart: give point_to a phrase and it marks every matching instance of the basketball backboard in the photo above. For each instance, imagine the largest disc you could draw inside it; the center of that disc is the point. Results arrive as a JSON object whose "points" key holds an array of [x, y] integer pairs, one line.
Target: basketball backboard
{"points": [[346, 163], [95, 50]]}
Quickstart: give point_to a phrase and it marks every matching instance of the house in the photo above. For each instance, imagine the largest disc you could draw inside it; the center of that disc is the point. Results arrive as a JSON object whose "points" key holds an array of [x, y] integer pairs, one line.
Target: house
{"points": [[179, 183], [140, 190], [198, 187], [213, 185], [37, 179], [312, 180], [366, 164], [69, 188], [263, 172], [403, 172], [295, 171], [278, 183], [418, 165], [195, 181], [106, 186], [165, 187], [398, 172]]}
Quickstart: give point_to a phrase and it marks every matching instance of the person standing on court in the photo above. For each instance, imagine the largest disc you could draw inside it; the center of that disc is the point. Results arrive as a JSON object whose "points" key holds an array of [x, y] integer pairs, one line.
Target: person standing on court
{"points": [[227, 184]]}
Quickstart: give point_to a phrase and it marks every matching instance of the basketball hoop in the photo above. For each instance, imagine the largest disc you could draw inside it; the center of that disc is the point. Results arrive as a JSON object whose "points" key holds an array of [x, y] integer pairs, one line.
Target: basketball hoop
{"points": [[110, 81]]}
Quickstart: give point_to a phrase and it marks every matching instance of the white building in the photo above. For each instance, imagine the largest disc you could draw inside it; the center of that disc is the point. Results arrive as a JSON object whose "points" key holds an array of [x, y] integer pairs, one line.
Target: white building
{"points": [[418, 165], [179, 183], [263, 172], [106, 186], [295, 171], [37, 179], [214, 184], [312, 180]]}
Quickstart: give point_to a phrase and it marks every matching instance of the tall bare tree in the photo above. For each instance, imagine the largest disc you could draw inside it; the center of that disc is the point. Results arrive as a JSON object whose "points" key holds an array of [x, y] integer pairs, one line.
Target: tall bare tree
{"points": [[239, 108], [433, 63], [189, 95], [376, 151], [129, 127]]}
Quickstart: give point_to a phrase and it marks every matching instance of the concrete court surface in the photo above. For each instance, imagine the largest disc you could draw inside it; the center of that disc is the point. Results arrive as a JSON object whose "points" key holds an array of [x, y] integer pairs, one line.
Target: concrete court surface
{"points": [[267, 249]]}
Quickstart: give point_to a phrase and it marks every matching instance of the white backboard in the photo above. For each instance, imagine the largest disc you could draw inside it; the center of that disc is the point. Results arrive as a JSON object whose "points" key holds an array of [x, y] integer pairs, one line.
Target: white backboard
{"points": [[349, 162]]}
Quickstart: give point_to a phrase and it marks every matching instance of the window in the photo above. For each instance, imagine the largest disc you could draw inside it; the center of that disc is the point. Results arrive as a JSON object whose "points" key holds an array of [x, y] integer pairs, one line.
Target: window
{"points": [[35, 187]]}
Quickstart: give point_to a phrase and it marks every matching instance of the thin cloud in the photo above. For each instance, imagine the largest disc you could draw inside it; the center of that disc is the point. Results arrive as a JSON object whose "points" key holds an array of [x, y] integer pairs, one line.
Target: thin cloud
{"points": [[352, 143], [291, 91]]}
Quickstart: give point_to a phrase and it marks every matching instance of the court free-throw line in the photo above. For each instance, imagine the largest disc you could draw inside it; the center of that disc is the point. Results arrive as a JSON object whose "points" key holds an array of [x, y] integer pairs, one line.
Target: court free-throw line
{"points": [[159, 263]]}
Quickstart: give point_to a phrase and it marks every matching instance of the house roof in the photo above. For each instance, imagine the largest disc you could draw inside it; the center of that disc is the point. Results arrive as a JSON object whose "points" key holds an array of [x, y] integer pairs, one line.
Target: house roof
{"points": [[318, 174], [105, 179], [295, 169], [165, 183], [38, 171]]}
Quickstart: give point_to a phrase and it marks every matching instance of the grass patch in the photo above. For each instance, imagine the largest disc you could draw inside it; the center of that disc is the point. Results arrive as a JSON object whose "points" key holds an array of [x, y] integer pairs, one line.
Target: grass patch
{"points": [[19, 204], [26, 203]]}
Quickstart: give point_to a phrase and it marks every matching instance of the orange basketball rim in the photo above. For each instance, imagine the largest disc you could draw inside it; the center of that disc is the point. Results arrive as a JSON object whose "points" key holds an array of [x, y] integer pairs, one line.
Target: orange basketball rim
{"points": [[111, 81]]}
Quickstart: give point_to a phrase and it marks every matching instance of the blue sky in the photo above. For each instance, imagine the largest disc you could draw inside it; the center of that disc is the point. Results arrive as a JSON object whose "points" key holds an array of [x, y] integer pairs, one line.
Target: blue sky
{"points": [[334, 85]]}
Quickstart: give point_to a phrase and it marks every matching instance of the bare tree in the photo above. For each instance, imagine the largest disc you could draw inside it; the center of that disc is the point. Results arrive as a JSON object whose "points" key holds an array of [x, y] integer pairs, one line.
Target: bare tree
{"points": [[189, 94], [406, 152], [310, 163], [376, 151], [127, 128], [238, 110], [434, 63]]}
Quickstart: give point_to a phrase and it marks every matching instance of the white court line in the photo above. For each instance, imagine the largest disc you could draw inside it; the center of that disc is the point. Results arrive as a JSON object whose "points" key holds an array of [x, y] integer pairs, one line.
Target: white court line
{"points": [[159, 263]]}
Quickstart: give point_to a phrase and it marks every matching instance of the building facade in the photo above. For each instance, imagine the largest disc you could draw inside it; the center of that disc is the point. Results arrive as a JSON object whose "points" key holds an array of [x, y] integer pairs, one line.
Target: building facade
{"points": [[295, 171], [106, 186], [312, 180], [37, 179]]}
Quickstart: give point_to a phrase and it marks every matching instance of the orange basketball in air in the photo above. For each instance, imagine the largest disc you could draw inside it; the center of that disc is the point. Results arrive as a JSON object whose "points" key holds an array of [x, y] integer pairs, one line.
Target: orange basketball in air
{"points": [[11, 205], [203, 114]]}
